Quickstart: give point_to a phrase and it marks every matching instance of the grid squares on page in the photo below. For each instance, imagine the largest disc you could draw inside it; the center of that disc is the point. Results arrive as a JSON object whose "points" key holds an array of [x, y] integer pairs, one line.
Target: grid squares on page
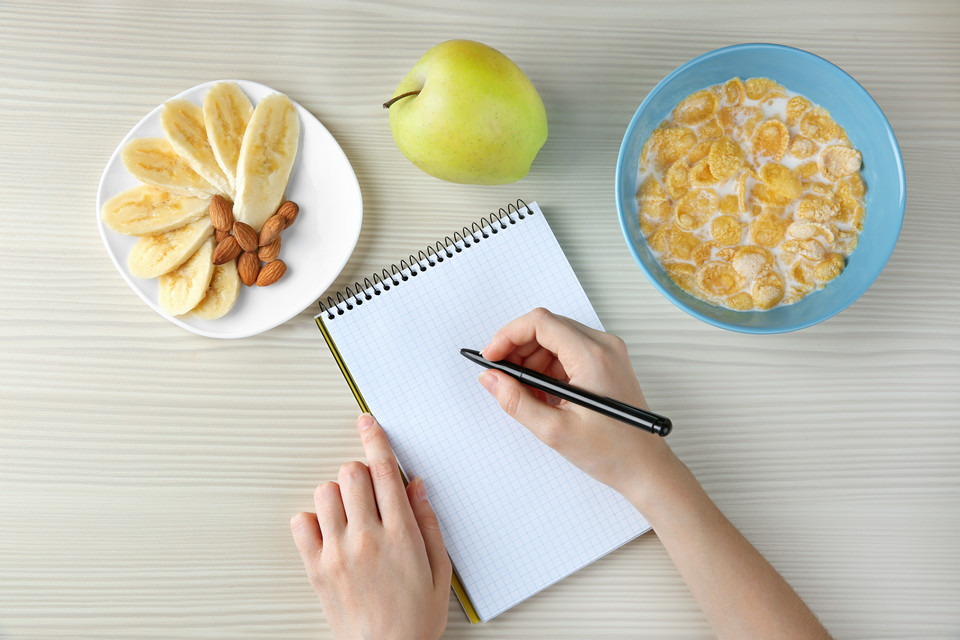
{"points": [[516, 517]]}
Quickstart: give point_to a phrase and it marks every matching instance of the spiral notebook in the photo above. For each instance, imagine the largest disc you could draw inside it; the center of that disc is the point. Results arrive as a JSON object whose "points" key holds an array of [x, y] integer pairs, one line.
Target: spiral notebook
{"points": [[516, 516]]}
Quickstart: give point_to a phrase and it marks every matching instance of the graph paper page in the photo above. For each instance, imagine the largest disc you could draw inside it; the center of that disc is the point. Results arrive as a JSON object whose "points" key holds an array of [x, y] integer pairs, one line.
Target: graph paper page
{"points": [[516, 516]]}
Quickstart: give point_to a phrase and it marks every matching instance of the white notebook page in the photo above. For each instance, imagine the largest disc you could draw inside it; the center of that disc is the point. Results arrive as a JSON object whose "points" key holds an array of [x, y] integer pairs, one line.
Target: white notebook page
{"points": [[516, 516]]}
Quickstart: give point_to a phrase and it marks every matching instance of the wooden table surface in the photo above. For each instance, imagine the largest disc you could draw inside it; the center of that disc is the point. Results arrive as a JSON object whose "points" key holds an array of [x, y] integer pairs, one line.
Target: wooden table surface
{"points": [[147, 475]]}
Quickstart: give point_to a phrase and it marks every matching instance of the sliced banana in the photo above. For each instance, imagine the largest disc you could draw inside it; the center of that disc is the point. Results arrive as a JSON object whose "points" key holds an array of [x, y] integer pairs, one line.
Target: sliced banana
{"points": [[267, 153], [222, 293], [183, 288], [146, 211], [156, 255], [153, 160], [226, 112], [183, 123]]}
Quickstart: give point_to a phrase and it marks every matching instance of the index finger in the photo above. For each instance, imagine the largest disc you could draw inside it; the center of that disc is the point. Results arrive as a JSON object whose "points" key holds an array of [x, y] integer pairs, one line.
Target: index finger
{"points": [[388, 486], [556, 333]]}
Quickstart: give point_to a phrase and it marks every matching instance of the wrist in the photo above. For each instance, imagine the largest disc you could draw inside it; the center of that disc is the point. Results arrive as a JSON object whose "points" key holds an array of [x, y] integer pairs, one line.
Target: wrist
{"points": [[656, 471]]}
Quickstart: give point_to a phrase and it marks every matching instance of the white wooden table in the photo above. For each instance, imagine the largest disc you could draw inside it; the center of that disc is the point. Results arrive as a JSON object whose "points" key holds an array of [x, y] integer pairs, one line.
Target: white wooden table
{"points": [[147, 475]]}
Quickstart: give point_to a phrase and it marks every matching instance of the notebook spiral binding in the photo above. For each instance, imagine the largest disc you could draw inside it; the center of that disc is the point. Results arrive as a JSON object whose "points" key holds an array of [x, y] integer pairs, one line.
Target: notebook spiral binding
{"points": [[429, 257]]}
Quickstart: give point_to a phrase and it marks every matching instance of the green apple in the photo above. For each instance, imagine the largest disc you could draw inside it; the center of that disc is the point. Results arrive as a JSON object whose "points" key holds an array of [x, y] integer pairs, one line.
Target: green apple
{"points": [[466, 113]]}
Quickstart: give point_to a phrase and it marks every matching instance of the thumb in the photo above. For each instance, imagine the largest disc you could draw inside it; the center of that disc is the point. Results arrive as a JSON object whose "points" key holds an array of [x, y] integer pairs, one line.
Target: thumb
{"points": [[426, 518], [516, 399]]}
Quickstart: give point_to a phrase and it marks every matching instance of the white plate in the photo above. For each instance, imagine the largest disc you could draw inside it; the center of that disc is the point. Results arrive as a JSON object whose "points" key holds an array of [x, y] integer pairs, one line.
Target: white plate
{"points": [[315, 248]]}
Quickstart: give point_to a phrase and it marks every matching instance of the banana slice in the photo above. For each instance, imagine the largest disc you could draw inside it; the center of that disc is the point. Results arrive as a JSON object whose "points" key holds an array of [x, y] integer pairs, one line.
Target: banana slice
{"points": [[153, 160], [147, 211], [226, 112], [222, 294], [156, 255], [267, 153], [183, 123], [183, 288]]}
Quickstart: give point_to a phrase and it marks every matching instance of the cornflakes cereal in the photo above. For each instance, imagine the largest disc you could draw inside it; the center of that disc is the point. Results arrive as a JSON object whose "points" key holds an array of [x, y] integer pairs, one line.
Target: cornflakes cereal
{"points": [[818, 124], [710, 130], [726, 254], [760, 88], [695, 208], [817, 208], [838, 161], [647, 226], [668, 146], [726, 230], [767, 290], [740, 120], [653, 205], [733, 92], [767, 229], [829, 268], [700, 174], [750, 261], [796, 106], [750, 195], [725, 158], [657, 240], [696, 108], [682, 274], [792, 250], [856, 217], [651, 188], [807, 170], [804, 229], [704, 252], [742, 301], [847, 241], [855, 186], [699, 152], [654, 210], [729, 204], [742, 191], [718, 279], [681, 243], [795, 293], [783, 185], [802, 274], [675, 179], [770, 140], [818, 188], [802, 148]]}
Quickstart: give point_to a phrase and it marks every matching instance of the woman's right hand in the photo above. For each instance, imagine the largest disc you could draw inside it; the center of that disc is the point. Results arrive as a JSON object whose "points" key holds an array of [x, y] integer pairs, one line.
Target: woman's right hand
{"points": [[740, 593], [614, 453]]}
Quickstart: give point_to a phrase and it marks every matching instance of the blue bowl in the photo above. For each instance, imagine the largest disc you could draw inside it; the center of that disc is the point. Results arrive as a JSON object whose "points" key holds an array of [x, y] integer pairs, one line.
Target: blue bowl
{"points": [[850, 105]]}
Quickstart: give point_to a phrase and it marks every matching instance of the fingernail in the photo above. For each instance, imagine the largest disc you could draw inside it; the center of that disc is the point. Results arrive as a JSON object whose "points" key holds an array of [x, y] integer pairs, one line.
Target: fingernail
{"points": [[364, 422], [418, 489], [489, 381]]}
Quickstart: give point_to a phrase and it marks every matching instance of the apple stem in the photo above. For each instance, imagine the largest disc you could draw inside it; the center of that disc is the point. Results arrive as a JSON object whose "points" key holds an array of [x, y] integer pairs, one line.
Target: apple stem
{"points": [[386, 105]]}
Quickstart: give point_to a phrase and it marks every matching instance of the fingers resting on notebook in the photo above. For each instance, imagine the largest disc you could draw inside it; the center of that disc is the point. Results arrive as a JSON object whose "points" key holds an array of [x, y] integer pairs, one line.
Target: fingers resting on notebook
{"points": [[368, 535], [562, 348]]}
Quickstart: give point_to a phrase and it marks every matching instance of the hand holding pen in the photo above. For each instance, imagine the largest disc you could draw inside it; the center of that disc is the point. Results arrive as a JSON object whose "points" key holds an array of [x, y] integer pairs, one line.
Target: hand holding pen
{"points": [[612, 451]]}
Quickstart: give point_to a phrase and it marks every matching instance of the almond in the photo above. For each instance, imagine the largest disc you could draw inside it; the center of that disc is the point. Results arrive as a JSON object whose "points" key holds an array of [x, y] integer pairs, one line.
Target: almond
{"points": [[248, 267], [226, 251], [269, 252], [271, 273], [246, 236], [272, 229], [288, 211], [221, 213], [221, 235]]}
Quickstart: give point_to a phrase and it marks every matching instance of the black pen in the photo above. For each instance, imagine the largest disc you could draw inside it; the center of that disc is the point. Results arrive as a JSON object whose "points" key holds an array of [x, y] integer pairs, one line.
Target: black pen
{"points": [[622, 411]]}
